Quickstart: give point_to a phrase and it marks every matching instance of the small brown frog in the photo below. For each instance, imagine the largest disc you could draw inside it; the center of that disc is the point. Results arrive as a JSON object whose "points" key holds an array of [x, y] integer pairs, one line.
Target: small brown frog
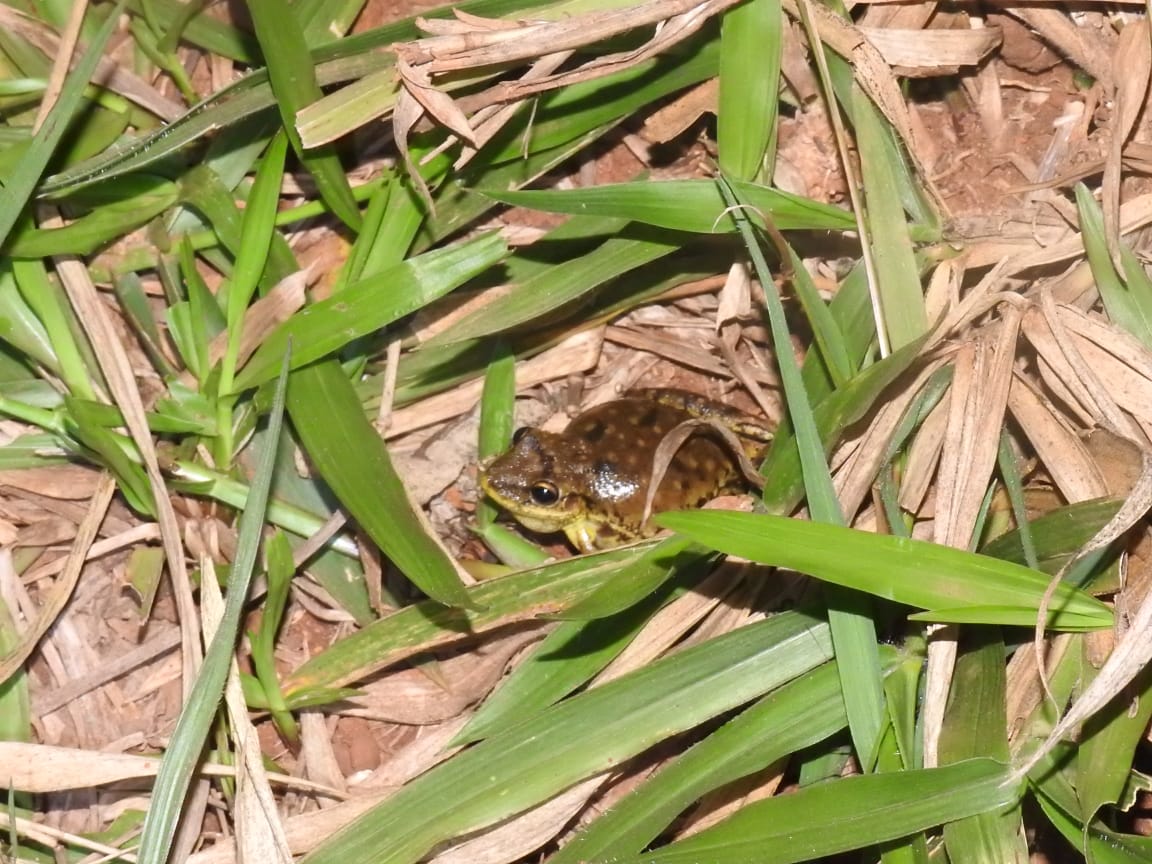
{"points": [[591, 480]]}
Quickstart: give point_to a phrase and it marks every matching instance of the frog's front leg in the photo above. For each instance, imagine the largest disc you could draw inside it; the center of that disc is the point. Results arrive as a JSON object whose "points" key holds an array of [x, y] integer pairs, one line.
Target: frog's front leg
{"points": [[584, 536]]}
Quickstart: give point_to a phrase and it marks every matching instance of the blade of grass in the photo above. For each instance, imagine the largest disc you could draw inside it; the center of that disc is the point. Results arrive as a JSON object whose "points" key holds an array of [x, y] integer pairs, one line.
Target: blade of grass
{"points": [[517, 596], [256, 229], [894, 568], [751, 44], [568, 658], [295, 86], [897, 275], [1129, 305], [974, 727], [497, 415], [187, 742], [578, 738], [870, 809], [681, 205], [799, 714], [18, 188], [849, 613], [556, 286], [98, 228], [374, 302], [352, 459]]}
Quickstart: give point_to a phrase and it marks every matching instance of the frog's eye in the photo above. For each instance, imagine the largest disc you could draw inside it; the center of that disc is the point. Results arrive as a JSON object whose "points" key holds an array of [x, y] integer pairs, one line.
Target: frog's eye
{"points": [[520, 433], [544, 493]]}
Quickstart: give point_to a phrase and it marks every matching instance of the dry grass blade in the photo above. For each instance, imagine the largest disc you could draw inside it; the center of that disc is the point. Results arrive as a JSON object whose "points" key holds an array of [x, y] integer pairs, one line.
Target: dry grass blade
{"points": [[118, 373], [924, 53]]}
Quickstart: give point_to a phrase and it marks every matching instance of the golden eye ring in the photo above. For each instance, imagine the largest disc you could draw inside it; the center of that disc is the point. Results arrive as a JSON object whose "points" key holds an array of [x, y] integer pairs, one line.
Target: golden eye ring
{"points": [[544, 493]]}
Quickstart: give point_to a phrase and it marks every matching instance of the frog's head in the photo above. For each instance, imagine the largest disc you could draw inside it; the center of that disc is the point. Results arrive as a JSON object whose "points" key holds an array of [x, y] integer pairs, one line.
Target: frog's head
{"points": [[543, 481]]}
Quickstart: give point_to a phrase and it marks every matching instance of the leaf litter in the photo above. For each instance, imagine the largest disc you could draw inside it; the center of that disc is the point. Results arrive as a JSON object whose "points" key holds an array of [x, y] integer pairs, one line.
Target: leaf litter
{"points": [[1019, 325]]}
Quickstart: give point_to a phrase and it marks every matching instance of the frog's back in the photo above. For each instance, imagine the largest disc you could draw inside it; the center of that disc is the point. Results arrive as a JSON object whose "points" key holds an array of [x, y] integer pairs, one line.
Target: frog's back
{"points": [[623, 437]]}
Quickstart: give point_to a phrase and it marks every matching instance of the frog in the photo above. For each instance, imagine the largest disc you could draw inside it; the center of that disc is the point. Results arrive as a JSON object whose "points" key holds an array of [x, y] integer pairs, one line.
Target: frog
{"points": [[591, 480]]}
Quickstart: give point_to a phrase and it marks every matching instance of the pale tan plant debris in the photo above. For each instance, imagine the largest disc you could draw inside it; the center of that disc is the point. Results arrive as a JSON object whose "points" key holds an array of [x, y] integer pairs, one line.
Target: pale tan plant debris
{"points": [[855, 478], [931, 52], [1063, 454], [721, 803], [45, 702], [68, 482], [1134, 648], [676, 117], [51, 608], [42, 768], [977, 401], [59, 841], [317, 755], [1132, 64], [923, 457], [677, 351], [1078, 44], [304, 832]]}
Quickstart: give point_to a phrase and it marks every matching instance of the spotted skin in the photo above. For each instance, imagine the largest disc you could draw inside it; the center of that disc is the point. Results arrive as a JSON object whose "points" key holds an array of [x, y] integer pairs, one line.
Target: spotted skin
{"points": [[591, 480]]}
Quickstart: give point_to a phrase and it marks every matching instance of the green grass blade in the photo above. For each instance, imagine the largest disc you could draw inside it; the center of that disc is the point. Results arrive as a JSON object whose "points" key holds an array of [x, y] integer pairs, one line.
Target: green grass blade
{"points": [[640, 577], [894, 568], [849, 614], [18, 187], [897, 275], [834, 348], [566, 660], [295, 86], [751, 44], [785, 482], [354, 462], [556, 286], [547, 588], [256, 229], [20, 327], [974, 727], [868, 809], [187, 743], [497, 416], [1108, 746], [364, 307], [1129, 305], [681, 205], [799, 714], [579, 738], [98, 228]]}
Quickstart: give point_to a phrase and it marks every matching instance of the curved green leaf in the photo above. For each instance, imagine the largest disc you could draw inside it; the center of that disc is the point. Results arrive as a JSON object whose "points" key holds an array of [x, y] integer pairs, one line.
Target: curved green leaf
{"points": [[865, 810], [364, 307], [682, 205], [907, 571]]}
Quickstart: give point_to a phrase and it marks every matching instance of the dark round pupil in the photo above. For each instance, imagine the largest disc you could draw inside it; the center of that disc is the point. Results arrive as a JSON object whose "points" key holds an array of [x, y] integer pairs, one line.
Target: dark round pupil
{"points": [[544, 493]]}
